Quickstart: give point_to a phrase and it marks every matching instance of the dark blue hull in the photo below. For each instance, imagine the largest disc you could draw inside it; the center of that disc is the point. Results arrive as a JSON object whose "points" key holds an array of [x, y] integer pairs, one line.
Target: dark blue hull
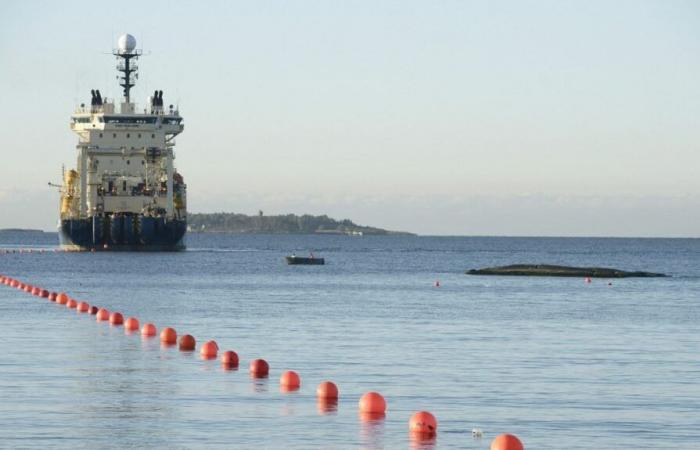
{"points": [[124, 232]]}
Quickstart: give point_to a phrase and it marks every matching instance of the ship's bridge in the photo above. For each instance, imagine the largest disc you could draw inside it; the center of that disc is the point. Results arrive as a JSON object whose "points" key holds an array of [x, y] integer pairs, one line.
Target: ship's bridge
{"points": [[85, 119], [101, 127]]}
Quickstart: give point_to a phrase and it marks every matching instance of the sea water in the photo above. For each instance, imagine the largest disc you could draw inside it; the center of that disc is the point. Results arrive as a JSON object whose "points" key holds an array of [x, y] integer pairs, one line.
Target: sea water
{"points": [[561, 363]]}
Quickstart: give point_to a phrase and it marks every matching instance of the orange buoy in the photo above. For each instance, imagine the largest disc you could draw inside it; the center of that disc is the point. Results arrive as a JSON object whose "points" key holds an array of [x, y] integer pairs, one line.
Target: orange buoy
{"points": [[148, 330], [290, 380], [423, 423], [229, 358], [259, 368], [372, 402], [44, 293], [72, 304], [52, 296], [507, 442], [83, 307], [93, 310], [102, 315], [209, 350], [131, 324], [437, 283], [187, 343], [168, 336], [36, 291], [327, 390], [116, 319], [14, 284], [588, 279], [28, 288], [62, 298]]}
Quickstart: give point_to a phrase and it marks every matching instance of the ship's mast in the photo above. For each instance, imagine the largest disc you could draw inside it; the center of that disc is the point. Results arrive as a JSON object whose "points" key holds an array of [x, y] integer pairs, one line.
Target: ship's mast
{"points": [[127, 54]]}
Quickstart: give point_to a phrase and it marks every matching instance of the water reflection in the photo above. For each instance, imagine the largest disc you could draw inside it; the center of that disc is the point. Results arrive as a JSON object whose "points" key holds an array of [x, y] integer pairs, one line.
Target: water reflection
{"points": [[148, 343], [372, 430], [259, 385], [288, 389], [229, 368], [422, 441], [327, 406], [288, 410]]}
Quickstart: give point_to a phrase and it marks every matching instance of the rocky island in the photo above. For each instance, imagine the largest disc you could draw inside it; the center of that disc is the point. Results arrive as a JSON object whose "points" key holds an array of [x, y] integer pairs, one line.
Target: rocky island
{"points": [[545, 270], [280, 224]]}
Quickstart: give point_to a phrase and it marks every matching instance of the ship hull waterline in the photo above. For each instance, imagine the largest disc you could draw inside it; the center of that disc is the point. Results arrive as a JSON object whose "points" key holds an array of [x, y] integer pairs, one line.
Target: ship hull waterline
{"points": [[123, 233]]}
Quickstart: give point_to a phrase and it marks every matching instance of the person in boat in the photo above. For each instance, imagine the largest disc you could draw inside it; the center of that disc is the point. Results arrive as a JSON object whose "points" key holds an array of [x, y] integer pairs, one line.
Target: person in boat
{"points": [[311, 255], [294, 255]]}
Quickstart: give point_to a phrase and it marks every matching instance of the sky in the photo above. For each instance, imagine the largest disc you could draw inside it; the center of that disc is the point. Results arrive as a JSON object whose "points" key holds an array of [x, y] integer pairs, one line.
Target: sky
{"points": [[520, 118]]}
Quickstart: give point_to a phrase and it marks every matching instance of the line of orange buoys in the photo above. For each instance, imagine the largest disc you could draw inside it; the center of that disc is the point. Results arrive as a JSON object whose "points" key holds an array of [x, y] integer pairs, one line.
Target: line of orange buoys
{"points": [[36, 251], [372, 405], [8, 251]]}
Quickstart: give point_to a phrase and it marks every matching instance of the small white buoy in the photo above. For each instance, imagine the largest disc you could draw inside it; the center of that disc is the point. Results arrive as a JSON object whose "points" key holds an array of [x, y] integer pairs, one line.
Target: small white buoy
{"points": [[477, 433]]}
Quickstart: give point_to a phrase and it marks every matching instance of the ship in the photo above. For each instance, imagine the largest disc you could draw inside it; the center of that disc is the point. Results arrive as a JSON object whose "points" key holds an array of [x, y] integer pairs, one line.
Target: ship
{"points": [[124, 193]]}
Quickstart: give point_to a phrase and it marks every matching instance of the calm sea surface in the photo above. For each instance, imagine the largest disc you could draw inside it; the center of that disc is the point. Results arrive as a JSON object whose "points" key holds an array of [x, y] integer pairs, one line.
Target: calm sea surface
{"points": [[558, 362]]}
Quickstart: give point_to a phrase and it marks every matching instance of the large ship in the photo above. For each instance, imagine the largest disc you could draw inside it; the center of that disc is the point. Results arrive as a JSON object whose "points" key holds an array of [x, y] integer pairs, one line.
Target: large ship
{"points": [[124, 193]]}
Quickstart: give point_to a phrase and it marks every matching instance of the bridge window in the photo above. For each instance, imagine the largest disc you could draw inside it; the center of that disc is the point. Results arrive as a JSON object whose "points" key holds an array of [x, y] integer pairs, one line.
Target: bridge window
{"points": [[132, 119]]}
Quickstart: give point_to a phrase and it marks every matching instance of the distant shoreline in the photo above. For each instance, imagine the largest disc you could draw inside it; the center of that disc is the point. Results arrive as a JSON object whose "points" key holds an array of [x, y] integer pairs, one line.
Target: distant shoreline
{"points": [[306, 224], [21, 230]]}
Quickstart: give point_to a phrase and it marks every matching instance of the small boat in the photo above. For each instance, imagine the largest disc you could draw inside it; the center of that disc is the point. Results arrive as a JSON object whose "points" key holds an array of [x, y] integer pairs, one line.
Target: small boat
{"points": [[312, 260]]}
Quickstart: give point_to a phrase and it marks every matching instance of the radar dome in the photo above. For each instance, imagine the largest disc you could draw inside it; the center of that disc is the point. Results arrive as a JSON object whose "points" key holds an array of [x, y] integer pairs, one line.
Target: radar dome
{"points": [[126, 43]]}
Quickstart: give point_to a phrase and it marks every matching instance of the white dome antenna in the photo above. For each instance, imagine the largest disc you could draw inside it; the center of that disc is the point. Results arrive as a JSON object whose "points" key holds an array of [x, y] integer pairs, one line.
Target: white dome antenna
{"points": [[126, 43]]}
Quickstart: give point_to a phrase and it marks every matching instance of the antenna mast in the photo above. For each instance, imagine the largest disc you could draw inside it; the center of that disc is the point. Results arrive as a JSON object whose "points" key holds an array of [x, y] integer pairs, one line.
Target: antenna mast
{"points": [[125, 52]]}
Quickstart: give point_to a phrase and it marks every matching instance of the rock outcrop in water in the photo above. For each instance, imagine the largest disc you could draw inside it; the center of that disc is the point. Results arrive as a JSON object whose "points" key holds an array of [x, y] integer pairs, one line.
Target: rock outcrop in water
{"points": [[545, 270]]}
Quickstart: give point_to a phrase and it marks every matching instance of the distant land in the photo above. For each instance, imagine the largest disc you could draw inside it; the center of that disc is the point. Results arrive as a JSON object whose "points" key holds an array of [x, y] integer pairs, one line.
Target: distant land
{"points": [[281, 224], [19, 230]]}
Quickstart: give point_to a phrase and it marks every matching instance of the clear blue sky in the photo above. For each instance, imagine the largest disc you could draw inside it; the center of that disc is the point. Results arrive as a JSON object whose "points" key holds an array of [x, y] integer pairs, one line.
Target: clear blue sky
{"points": [[444, 117]]}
